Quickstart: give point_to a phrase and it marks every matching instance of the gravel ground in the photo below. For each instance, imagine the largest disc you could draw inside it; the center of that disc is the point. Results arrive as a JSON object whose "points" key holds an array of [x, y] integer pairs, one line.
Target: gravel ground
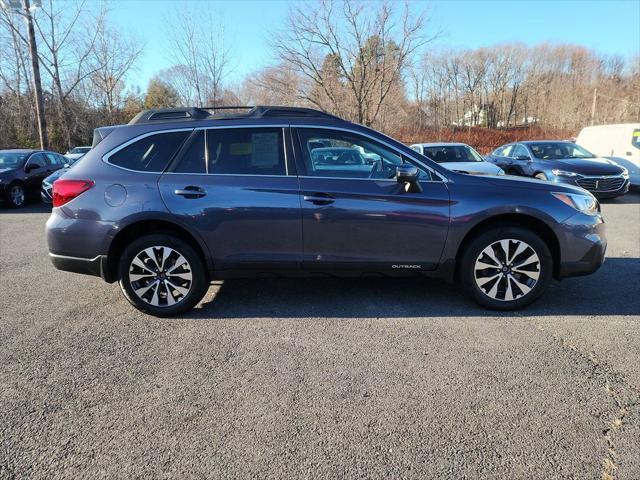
{"points": [[318, 378]]}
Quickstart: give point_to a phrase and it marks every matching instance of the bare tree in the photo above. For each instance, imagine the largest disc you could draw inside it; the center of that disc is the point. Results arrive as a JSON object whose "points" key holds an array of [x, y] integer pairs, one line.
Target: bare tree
{"points": [[351, 51], [202, 61], [113, 57]]}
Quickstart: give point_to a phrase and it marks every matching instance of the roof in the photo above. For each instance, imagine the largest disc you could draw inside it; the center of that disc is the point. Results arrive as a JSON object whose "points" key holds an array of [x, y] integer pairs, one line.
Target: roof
{"points": [[442, 144], [190, 114], [21, 150], [530, 142]]}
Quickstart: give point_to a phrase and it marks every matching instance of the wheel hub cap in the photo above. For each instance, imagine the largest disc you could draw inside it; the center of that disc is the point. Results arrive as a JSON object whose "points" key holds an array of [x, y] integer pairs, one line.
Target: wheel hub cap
{"points": [[507, 270], [160, 276]]}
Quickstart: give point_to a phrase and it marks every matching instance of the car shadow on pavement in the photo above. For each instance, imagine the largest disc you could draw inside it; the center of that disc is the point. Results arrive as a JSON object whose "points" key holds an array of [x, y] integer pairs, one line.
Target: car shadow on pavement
{"points": [[610, 291], [35, 207]]}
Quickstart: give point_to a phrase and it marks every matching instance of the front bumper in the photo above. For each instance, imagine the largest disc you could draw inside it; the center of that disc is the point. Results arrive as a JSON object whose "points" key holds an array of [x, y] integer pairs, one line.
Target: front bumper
{"points": [[583, 244]]}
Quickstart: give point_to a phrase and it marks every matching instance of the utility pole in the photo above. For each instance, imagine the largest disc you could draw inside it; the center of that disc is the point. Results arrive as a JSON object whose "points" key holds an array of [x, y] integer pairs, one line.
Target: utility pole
{"points": [[593, 106], [37, 84], [23, 7]]}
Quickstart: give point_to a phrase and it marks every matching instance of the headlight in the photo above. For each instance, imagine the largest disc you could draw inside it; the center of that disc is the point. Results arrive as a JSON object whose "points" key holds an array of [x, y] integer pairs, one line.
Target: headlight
{"points": [[625, 172], [583, 203], [564, 173]]}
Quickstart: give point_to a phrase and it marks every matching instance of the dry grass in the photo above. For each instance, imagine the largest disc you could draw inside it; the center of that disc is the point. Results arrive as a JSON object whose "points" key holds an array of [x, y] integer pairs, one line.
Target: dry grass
{"points": [[485, 140]]}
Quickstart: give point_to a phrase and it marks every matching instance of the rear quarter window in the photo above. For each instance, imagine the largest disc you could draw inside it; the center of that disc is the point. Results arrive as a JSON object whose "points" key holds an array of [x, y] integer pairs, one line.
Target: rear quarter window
{"points": [[635, 138], [149, 154]]}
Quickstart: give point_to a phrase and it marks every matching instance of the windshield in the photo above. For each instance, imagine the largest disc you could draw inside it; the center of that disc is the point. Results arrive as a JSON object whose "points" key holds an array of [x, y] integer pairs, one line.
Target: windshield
{"points": [[12, 159], [556, 150], [80, 150], [452, 153]]}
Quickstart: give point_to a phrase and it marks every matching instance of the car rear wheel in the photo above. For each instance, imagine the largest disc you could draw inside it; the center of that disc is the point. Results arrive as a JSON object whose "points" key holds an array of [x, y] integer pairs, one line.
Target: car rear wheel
{"points": [[17, 195], [506, 268], [162, 275]]}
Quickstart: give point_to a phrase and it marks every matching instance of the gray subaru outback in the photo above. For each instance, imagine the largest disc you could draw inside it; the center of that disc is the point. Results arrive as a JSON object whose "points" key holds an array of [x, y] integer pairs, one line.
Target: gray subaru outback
{"points": [[180, 197]]}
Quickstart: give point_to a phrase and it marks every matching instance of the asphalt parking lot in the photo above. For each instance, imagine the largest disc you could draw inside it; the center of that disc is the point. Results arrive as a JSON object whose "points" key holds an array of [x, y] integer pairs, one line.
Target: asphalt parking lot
{"points": [[318, 378]]}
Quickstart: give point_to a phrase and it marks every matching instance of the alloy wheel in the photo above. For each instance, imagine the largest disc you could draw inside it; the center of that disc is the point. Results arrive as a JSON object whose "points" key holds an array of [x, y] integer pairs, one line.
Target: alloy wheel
{"points": [[17, 195], [507, 270], [160, 276]]}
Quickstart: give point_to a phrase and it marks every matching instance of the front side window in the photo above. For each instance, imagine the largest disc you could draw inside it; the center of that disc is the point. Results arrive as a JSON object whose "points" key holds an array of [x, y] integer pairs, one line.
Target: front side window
{"points": [[452, 153], [36, 159], [338, 154], [635, 138], [246, 151], [151, 153]]}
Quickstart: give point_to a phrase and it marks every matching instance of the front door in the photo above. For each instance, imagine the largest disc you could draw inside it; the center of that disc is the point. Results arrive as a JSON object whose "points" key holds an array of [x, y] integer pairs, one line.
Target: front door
{"points": [[354, 213], [234, 187]]}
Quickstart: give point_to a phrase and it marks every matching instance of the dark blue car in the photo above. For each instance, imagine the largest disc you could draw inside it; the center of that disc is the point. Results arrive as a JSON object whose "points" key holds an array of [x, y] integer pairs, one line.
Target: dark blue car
{"points": [[563, 162], [181, 197]]}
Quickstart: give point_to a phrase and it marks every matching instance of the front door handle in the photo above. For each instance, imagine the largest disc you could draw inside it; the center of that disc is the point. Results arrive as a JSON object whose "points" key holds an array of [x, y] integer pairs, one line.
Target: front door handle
{"points": [[190, 192], [319, 199]]}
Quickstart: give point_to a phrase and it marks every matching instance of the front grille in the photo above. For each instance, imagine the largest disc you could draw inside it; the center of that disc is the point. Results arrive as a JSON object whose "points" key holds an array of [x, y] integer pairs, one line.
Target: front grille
{"points": [[46, 191], [601, 184]]}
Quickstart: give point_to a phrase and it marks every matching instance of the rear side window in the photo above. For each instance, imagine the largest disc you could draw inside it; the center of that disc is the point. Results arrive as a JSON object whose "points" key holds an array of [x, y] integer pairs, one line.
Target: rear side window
{"points": [[246, 151], [149, 154], [192, 159], [635, 139]]}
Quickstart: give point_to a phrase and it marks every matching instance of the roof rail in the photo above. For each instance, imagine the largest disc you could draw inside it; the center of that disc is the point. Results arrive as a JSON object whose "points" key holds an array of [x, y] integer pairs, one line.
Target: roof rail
{"points": [[203, 113]]}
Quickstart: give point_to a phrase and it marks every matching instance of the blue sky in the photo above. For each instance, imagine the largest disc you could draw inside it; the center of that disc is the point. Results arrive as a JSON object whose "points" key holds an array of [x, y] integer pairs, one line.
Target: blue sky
{"points": [[611, 27]]}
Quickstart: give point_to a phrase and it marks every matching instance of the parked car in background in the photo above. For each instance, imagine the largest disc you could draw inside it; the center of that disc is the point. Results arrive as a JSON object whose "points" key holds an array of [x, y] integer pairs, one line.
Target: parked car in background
{"points": [[620, 143], [22, 172], [458, 157], [563, 162], [180, 197], [77, 153]]}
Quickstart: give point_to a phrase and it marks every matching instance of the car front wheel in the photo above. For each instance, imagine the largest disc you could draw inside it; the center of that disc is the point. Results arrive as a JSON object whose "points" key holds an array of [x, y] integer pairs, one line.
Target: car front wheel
{"points": [[17, 195], [507, 268], [162, 275]]}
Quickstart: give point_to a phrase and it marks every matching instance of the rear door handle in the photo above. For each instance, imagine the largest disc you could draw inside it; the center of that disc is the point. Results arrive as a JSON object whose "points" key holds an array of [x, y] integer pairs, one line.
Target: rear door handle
{"points": [[319, 199], [190, 192]]}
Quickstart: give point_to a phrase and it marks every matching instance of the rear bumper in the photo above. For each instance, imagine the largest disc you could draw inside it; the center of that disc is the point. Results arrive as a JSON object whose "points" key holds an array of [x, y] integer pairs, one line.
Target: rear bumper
{"points": [[88, 266]]}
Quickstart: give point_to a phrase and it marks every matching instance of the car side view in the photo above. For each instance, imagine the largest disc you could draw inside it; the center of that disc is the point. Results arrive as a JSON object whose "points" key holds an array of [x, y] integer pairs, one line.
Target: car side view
{"points": [[22, 172], [563, 162], [180, 197], [458, 157]]}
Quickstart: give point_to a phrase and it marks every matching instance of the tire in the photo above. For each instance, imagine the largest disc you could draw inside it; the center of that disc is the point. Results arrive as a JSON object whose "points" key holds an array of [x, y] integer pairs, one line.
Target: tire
{"points": [[163, 287], [17, 195], [503, 287], [541, 176]]}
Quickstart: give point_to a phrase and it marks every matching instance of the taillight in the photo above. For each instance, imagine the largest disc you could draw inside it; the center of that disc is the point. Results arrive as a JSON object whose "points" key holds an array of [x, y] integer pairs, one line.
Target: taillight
{"points": [[66, 190]]}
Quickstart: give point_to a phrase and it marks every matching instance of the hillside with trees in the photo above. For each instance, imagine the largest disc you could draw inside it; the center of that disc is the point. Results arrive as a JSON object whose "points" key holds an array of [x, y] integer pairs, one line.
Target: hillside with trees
{"points": [[372, 63]]}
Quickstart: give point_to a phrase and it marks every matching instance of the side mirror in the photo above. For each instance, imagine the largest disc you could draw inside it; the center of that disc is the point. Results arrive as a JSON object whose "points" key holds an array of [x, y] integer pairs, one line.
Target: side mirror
{"points": [[523, 157], [408, 175], [66, 165], [31, 167]]}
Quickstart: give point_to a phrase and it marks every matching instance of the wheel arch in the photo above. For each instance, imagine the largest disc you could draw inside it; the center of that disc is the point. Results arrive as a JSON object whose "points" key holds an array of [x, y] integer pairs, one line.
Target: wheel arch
{"points": [[143, 227], [529, 222]]}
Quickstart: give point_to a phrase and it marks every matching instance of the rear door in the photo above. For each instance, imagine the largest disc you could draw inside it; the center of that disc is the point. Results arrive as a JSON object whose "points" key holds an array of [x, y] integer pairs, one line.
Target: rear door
{"points": [[356, 216], [237, 189], [502, 157]]}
